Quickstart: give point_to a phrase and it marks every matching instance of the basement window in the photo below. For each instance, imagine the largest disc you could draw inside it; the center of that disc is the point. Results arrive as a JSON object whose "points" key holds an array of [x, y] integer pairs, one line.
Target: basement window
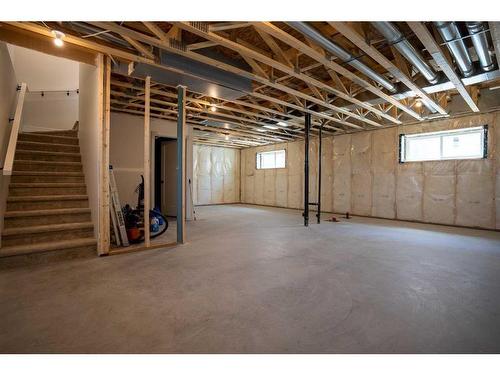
{"points": [[271, 159], [469, 143]]}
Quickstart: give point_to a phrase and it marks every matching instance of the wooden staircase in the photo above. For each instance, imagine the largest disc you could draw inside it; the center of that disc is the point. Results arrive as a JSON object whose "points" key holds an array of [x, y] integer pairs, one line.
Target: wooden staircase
{"points": [[47, 206]]}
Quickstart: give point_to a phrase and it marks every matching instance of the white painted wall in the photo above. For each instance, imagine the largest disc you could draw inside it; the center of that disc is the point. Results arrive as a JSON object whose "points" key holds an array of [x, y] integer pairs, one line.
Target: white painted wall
{"points": [[127, 150], [54, 110], [89, 135], [361, 175], [7, 101], [49, 73]]}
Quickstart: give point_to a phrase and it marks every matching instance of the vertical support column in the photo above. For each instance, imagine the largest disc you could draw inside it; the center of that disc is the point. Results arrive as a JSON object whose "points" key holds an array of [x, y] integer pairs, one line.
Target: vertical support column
{"points": [[318, 215], [147, 161], [306, 168], [104, 87], [181, 164]]}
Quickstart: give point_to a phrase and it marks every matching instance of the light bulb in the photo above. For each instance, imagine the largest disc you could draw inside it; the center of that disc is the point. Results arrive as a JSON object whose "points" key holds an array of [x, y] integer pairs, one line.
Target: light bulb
{"points": [[418, 103], [213, 108], [226, 138], [58, 38]]}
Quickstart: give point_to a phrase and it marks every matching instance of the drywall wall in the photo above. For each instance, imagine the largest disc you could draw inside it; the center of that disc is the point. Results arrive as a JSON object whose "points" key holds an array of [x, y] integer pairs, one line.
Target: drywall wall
{"points": [[8, 95], [50, 73], [56, 77], [216, 175], [53, 111], [362, 175], [89, 134], [127, 150]]}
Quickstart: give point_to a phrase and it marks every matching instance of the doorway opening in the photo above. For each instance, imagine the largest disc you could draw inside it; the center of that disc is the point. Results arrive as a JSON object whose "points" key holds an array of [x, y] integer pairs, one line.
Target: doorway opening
{"points": [[166, 176]]}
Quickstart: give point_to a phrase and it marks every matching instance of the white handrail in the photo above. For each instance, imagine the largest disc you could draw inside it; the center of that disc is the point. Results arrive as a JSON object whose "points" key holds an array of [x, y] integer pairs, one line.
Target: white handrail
{"points": [[11, 148]]}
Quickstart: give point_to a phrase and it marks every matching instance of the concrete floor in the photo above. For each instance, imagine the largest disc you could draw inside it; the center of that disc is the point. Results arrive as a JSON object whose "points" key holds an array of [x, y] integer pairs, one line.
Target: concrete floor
{"points": [[254, 280]]}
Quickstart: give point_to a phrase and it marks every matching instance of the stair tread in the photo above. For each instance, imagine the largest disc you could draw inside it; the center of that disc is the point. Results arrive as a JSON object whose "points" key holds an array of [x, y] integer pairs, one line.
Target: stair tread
{"points": [[46, 246], [53, 211], [21, 161], [34, 198], [55, 153], [62, 137], [46, 184], [47, 143], [45, 228], [46, 173]]}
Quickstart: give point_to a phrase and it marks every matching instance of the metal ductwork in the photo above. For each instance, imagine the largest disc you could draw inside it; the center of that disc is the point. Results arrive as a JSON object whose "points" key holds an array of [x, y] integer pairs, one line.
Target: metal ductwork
{"points": [[451, 35], [341, 53], [394, 36], [480, 42]]}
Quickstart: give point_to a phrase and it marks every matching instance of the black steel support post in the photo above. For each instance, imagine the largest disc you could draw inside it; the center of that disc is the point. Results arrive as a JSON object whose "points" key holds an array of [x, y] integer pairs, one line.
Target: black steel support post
{"points": [[318, 215], [306, 168]]}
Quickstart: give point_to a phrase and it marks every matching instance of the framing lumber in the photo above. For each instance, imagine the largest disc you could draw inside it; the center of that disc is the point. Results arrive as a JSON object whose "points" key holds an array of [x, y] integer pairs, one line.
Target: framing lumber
{"points": [[139, 47], [359, 41], [230, 68], [319, 57], [104, 109], [437, 54], [289, 70]]}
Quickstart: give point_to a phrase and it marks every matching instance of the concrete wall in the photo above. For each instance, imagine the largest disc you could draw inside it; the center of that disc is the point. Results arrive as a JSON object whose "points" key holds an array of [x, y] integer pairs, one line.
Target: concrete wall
{"points": [[8, 97], [361, 174], [216, 177], [127, 150], [89, 135]]}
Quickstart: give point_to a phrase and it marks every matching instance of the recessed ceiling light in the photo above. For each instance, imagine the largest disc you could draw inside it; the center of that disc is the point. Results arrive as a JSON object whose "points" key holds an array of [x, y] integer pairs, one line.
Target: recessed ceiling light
{"points": [[272, 127]]}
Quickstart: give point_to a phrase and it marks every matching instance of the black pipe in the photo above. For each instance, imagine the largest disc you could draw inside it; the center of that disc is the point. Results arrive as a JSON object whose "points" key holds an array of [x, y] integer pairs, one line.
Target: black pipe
{"points": [[306, 168], [318, 215]]}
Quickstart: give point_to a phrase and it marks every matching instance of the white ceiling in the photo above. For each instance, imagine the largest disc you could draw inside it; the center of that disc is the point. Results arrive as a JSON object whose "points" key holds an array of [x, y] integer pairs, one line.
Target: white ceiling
{"points": [[43, 72]]}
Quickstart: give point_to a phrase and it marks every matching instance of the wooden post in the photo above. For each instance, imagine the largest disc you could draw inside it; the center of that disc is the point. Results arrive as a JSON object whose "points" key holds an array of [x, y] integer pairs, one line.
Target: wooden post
{"points": [[104, 66], [181, 164], [147, 161]]}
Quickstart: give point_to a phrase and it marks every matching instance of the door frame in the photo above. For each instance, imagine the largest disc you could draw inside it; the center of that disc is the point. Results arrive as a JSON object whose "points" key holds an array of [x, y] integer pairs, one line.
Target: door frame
{"points": [[159, 140]]}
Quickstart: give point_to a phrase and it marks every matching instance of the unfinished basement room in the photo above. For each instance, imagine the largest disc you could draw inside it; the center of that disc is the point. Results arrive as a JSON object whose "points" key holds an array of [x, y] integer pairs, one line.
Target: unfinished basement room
{"points": [[250, 187]]}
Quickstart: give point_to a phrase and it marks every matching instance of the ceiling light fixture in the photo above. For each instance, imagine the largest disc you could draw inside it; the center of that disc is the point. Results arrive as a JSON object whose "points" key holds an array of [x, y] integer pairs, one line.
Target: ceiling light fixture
{"points": [[418, 103], [58, 37], [261, 130], [213, 108], [226, 138], [282, 123]]}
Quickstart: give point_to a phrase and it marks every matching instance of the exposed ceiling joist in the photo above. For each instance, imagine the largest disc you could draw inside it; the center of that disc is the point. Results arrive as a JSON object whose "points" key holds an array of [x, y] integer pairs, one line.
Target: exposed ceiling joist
{"points": [[437, 54], [359, 41]]}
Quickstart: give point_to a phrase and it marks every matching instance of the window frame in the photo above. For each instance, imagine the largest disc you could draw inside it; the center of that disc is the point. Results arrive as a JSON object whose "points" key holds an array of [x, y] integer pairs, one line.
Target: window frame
{"points": [[403, 137], [257, 154]]}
